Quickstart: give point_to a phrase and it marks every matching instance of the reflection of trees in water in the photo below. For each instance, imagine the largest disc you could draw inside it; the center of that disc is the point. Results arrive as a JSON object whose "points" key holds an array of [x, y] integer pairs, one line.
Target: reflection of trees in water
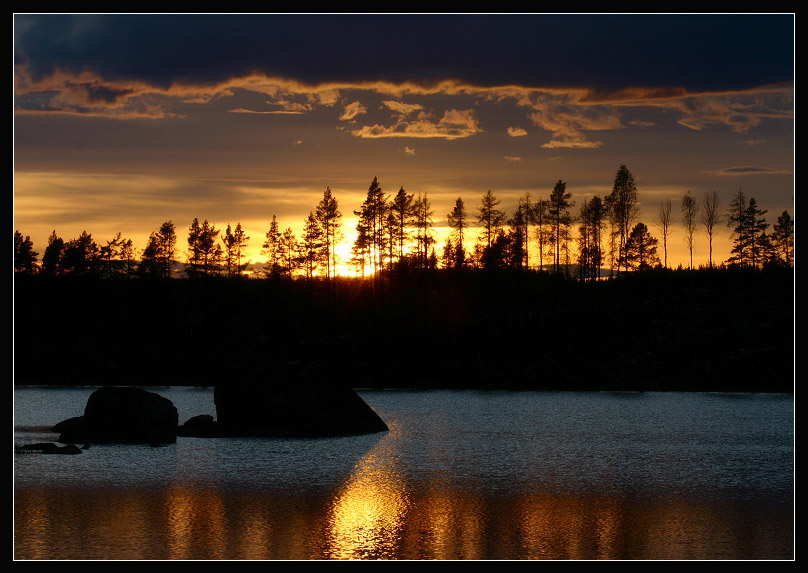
{"points": [[378, 514], [195, 524], [554, 527]]}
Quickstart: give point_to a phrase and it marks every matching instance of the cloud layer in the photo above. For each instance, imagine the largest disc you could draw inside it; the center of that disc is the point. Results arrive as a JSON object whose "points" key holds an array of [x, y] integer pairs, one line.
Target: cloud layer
{"points": [[572, 76], [699, 51], [451, 110]]}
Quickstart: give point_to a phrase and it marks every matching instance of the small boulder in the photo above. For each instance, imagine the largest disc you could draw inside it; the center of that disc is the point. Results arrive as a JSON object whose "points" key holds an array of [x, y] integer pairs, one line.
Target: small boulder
{"points": [[51, 448], [201, 426], [122, 415]]}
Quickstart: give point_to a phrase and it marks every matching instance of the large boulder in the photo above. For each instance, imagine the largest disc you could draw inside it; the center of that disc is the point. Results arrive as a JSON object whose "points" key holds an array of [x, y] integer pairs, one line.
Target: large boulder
{"points": [[122, 415], [294, 400]]}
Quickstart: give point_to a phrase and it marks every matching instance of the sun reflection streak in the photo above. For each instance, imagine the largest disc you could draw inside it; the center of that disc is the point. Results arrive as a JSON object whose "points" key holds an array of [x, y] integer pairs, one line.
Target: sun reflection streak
{"points": [[368, 514]]}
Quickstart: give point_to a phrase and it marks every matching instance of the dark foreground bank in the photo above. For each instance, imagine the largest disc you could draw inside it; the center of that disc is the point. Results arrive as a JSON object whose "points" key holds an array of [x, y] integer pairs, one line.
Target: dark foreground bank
{"points": [[705, 330]]}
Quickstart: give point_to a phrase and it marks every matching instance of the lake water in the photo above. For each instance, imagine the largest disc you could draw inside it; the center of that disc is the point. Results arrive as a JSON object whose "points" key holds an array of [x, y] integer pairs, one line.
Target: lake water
{"points": [[460, 475]]}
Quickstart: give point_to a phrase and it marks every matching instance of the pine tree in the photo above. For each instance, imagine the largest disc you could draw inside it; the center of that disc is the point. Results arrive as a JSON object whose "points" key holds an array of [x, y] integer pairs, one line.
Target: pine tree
{"points": [[127, 256], [362, 250], [783, 239], [289, 250], [449, 256], [759, 240], [737, 220], [81, 255], [590, 252], [235, 242], [312, 250], [204, 253], [458, 224], [558, 211], [641, 249], [373, 220], [150, 263], [24, 255], [518, 226], [622, 207], [118, 255], [424, 230], [403, 217], [271, 248], [527, 219], [110, 252], [490, 218], [750, 242], [166, 247], [543, 230], [329, 218], [52, 258]]}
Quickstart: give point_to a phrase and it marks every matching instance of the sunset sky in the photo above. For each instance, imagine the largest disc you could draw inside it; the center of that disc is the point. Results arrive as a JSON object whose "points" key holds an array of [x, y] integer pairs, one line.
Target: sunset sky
{"points": [[122, 122]]}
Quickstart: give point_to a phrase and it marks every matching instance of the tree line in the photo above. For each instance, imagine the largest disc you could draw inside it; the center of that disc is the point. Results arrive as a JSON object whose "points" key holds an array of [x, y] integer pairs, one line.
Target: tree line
{"points": [[397, 231]]}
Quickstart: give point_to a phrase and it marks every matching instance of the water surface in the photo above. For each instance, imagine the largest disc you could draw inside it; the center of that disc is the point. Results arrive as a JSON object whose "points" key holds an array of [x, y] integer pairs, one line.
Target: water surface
{"points": [[460, 475]]}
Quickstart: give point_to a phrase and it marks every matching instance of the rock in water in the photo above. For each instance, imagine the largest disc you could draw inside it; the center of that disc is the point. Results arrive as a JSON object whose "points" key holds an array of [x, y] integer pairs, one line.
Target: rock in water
{"points": [[202, 426], [49, 448], [294, 401], [122, 415]]}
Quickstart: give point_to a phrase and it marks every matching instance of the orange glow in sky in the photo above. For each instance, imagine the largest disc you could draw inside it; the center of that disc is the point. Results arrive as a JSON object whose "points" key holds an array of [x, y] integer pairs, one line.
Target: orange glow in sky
{"points": [[106, 144]]}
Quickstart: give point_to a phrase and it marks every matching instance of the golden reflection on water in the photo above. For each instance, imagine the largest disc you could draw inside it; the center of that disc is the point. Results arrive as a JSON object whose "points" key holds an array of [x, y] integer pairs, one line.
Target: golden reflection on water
{"points": [[571, 527], [368, 513], [380, 513], [377, 515], [195, 523], [36, 532], [446, 524]]}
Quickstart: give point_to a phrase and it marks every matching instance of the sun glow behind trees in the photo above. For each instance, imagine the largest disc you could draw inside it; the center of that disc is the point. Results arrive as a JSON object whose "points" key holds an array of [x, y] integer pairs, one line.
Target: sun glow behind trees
{"points": [[539, 231]]}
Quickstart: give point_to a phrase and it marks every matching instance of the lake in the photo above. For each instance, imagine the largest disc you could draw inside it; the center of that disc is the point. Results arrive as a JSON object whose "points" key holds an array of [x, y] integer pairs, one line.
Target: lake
{"points": [[461, 475]]}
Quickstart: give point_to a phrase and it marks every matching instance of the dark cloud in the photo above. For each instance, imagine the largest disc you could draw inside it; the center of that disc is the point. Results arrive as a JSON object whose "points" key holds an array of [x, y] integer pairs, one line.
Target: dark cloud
{"points": [[604, 51], [748, 170]]}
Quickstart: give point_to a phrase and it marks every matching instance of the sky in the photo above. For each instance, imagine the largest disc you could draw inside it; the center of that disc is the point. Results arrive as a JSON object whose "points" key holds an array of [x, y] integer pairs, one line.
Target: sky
{"points": [[125, 121]]}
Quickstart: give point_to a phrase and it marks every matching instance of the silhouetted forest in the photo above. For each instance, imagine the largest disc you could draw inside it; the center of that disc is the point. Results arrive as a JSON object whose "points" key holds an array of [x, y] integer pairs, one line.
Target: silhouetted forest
{"points": [[482, 316], [660, 329]]}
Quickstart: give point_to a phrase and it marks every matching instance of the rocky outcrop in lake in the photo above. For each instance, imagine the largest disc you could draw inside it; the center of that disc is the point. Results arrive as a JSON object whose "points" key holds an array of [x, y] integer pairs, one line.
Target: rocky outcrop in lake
{"points": [[293, 400], [122, 415]]}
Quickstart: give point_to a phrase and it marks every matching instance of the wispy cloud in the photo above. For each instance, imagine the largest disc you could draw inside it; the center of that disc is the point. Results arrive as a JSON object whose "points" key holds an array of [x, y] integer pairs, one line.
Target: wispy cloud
{"points": [[453, 124], [747, 170], [517, 132], [512, 158], [577, 142], [265, 112], [352, 110], [403, 108]]}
